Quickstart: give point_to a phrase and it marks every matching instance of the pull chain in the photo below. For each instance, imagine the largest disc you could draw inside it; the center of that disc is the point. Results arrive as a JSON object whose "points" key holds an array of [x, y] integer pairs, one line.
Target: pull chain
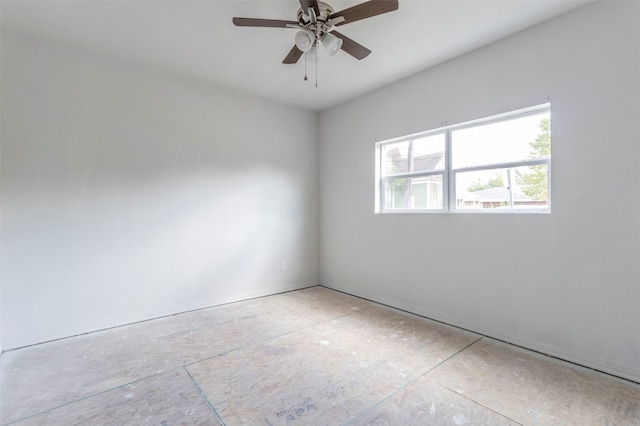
{"points": [[305, 67]]}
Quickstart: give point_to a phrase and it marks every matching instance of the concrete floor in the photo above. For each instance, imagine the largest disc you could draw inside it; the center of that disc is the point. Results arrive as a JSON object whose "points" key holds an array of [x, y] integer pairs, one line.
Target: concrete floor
{"points": [[309, 357]]}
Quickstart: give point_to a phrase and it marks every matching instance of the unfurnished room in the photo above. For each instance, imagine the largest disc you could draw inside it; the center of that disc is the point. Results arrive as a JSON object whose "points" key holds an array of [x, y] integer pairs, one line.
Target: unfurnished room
{"points": [[295, 212]]}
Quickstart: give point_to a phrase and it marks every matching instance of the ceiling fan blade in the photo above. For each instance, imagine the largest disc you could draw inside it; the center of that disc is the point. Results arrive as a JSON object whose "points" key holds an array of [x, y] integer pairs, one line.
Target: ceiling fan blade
{"points": [[353, 48], [335, 21], [306, 4], [256, 22], [293, 55], [365, 10]]}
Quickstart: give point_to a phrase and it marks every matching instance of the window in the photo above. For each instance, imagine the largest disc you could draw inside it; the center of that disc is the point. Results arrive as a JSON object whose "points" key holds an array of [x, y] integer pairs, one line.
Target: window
{"points": [[499, 164], [414, 173]]}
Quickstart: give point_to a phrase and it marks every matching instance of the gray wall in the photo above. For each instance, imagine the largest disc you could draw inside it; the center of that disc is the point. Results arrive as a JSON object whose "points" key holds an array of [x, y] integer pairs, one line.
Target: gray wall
{"points": [[128, 193], [567, 283]]}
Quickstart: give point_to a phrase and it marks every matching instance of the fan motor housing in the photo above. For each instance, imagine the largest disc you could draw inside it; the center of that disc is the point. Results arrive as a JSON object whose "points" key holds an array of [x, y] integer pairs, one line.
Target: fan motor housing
{"points": [[325, 11]]}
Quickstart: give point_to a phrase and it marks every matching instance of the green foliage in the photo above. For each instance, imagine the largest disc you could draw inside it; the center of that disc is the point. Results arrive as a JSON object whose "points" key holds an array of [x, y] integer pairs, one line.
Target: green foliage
{"points": [[541, 147], [491, 183], [534, 182]]}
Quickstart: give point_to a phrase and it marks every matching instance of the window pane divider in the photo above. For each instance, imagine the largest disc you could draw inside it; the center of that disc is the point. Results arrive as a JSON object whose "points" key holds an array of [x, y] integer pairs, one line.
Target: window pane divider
{"points": [[533, 162], [414, 174], [439, 187]]}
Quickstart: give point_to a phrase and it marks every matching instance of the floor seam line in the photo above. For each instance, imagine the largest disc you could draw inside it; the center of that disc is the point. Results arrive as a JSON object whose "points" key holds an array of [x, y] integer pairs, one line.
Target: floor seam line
{"points": [[247, 346], [379, 384], [188, 311], [383, 400], [480, 333], [48, 410], [453, 355], [211, 407], [407, 384], [183, 366], [478, 403]]}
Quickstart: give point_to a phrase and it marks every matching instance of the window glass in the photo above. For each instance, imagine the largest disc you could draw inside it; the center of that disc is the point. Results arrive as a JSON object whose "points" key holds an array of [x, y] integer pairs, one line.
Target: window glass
{"points": [[524, 187], [423, 192], [419, 155], [500, 163], [497, 142]]}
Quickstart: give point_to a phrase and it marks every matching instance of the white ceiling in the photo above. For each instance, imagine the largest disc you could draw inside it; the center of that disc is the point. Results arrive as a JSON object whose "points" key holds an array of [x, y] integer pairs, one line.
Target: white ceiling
{"points": [[197, 39]]}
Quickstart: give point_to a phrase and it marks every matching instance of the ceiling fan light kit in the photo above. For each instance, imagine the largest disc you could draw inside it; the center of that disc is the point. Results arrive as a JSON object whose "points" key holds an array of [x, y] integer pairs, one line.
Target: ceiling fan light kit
{"points": [[304, 40], [315, 24], [332, 43]]}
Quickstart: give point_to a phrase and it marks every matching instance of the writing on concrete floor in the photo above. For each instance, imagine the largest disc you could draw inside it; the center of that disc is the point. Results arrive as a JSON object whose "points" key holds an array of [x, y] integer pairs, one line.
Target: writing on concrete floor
{"points": [[292, 413], [623, 406], [242, 318]]}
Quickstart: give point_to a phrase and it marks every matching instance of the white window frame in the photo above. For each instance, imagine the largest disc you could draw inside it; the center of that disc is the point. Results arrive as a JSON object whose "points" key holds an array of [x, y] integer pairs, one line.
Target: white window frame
{"points": [[382, 179], [449, 173]]}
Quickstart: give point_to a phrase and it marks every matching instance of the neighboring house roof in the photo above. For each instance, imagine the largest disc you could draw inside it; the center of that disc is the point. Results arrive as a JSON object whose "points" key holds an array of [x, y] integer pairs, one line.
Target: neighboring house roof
{"points": [[432, 161], [497, 193]]}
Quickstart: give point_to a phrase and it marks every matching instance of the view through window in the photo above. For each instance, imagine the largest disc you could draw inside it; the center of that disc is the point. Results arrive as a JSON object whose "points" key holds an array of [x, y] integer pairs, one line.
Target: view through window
{"points": [[500, 163]]}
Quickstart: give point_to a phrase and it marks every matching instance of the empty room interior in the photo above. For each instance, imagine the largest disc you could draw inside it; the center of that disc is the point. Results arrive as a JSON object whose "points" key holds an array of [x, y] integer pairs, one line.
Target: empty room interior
{"points": [[198, 227]]}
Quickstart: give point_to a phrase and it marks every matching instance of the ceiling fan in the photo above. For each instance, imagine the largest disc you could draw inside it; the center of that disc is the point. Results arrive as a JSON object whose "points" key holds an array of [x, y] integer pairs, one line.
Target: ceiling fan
{"points": [[316, 22]]}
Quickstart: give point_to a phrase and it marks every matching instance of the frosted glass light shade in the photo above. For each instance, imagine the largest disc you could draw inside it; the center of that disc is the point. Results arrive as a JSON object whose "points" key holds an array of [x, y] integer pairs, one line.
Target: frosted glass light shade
{"points": [[332, 43], [304, 40]]}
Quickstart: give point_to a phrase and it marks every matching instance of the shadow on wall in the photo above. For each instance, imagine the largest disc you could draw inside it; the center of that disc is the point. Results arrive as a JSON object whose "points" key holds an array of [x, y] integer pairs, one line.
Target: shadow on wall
{"points": [[176, 244]]}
